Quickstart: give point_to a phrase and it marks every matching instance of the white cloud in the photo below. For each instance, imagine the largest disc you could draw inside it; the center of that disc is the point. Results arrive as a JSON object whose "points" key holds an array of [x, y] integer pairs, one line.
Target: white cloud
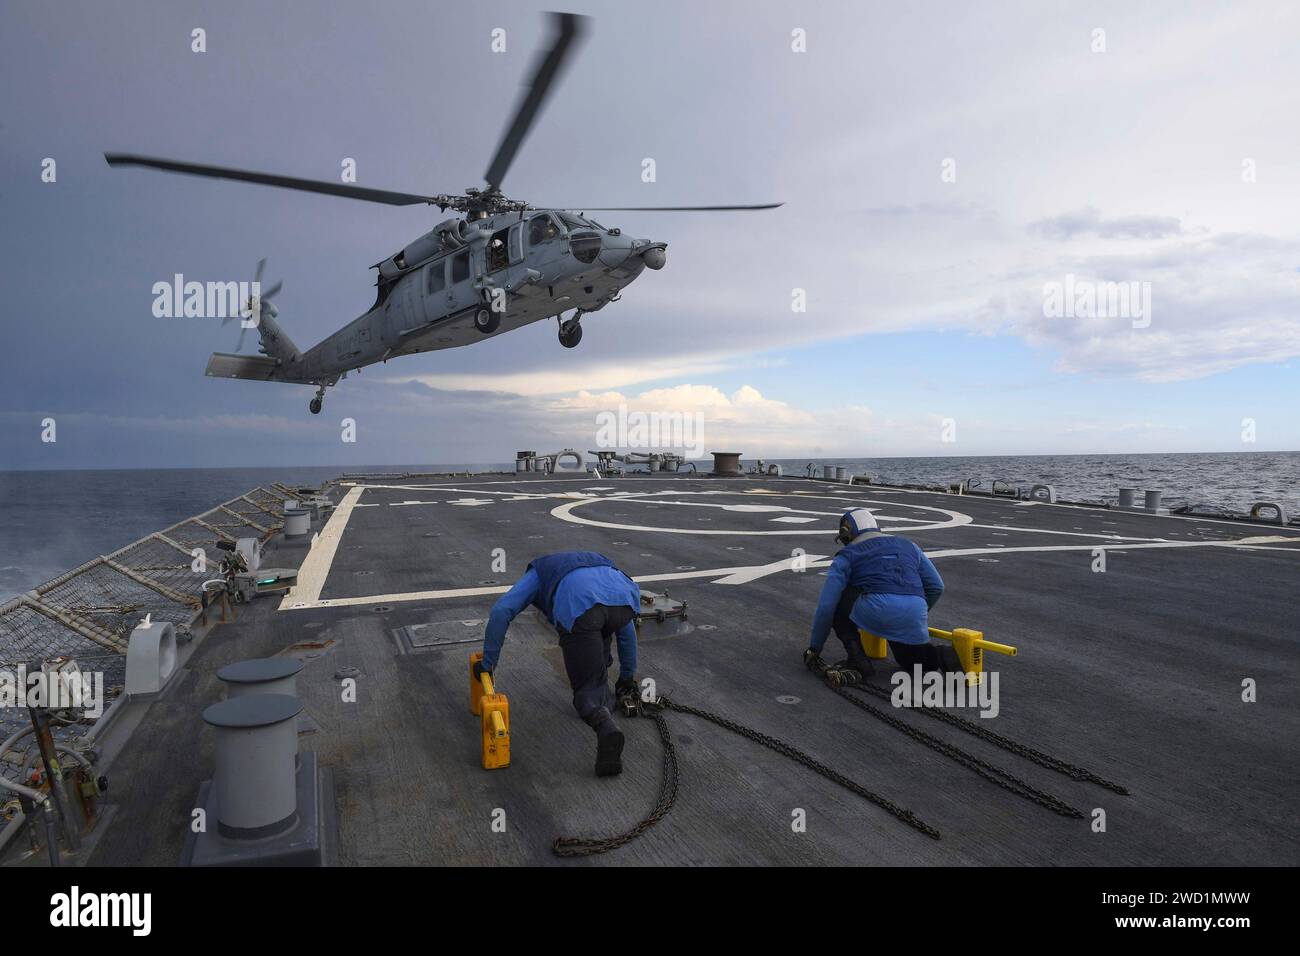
{"points": [[1217, 303], [744, 419], [560, 381]]}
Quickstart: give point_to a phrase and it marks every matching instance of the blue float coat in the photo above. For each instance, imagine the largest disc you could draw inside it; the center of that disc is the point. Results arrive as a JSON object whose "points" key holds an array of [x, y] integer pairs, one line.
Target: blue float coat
{"points": [[578, 591], [883, 566]]}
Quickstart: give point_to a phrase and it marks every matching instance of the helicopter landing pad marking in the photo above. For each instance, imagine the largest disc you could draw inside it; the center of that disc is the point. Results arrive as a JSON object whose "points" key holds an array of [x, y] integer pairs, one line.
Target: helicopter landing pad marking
{"points": [[565, 513], [316, 565]]}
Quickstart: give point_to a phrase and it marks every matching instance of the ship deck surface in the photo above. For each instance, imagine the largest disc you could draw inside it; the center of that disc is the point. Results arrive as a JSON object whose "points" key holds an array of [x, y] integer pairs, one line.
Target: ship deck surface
{"points": [[1135, 672]]}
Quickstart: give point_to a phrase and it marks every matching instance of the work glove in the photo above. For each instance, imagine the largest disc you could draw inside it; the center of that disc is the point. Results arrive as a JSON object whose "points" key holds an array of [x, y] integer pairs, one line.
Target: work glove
{"points": [[813, 661], [844, 674], [480, 670], [628, 694]]}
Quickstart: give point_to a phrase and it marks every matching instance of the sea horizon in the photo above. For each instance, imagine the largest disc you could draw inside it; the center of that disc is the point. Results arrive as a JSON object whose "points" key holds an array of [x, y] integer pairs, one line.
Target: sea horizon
{"points": [[52, 520]]}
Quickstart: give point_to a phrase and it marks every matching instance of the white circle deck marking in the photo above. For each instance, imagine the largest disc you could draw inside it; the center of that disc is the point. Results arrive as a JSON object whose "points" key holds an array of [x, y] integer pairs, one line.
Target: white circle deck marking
{"points": [[565, 513]]}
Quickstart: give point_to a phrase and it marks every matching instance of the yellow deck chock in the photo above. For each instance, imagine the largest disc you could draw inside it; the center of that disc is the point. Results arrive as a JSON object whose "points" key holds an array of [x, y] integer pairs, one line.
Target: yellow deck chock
{"points": [[970, 647], [876, 648], [494, 711]]}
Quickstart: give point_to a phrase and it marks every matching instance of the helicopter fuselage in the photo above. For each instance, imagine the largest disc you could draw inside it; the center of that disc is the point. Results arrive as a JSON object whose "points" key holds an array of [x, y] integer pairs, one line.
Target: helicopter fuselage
{"points": [[467, 280]]}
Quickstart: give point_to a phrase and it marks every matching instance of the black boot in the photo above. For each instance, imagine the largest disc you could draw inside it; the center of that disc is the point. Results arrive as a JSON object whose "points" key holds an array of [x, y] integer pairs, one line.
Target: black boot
{"points": [[862, 664], [609, 749]]}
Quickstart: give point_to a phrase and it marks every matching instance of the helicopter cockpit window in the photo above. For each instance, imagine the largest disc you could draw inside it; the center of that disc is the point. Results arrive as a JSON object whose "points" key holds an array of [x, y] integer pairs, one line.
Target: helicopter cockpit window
{"points": [[584, 239], [541, 229], [498, 255], [460, 266]]}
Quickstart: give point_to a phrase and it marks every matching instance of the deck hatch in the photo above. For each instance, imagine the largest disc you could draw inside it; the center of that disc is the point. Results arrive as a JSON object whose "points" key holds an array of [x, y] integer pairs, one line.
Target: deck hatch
{"points": [[431, 635]]}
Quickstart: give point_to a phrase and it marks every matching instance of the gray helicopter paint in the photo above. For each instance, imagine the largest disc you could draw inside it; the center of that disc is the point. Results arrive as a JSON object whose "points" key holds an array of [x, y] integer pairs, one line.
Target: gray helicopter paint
{"points": [[546, 282]]}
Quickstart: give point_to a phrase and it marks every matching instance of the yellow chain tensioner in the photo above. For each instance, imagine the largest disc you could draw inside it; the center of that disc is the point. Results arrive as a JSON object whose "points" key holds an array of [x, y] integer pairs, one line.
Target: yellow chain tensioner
{"points": [[494, 711], [969, 645]]}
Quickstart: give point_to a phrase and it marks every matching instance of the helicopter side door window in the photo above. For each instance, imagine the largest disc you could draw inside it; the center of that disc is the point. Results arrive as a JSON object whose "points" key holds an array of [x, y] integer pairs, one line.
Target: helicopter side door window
{"points": [[437, 276], [498, 254], [541, 229], [460, 266]]}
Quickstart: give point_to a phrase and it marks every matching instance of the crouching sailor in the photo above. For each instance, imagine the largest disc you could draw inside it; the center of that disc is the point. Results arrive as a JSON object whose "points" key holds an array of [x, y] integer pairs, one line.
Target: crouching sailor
{"points": [[884, 585], [590, 602]]}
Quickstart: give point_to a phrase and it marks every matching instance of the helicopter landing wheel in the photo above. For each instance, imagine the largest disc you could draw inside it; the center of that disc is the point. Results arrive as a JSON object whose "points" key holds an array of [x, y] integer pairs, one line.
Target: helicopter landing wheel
{"points": [[486, 321], [570, 333], [315, 406]]}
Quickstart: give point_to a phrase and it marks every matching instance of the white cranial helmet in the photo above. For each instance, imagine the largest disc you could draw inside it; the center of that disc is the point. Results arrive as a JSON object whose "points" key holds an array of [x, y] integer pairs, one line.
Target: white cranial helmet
{"points": [[854, 522]]}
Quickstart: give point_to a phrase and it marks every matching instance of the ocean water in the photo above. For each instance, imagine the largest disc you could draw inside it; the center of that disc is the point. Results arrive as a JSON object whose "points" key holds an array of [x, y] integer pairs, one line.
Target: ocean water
{"points": [[1223, 481], [52, 521]]}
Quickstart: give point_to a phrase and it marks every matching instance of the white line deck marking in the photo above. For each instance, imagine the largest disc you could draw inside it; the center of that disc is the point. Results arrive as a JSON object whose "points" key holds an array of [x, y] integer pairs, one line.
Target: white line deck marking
{"points": [[1245, 544], [316, 566], [737, 575], [1108, 536], [744, 575]]}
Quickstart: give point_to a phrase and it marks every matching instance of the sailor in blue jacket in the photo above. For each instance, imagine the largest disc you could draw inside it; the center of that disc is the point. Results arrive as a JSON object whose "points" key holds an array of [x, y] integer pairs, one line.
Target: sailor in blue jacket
{"points": [[884, 585], [590, 602]]}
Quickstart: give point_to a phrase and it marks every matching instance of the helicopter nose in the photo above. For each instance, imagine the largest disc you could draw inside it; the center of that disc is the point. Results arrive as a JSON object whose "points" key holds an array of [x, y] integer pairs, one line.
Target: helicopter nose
{"points": [[655, 256], [615, 249]]}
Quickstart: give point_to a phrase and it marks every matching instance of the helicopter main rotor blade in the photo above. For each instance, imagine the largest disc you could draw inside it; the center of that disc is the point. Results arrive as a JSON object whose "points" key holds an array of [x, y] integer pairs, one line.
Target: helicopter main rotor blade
{"points": [[766, 205], [568, 28], [270, 179]]}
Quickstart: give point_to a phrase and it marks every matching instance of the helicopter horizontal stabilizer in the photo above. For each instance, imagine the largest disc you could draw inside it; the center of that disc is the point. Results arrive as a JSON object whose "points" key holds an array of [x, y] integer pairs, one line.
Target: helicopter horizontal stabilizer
{"points": [[253, 367]]}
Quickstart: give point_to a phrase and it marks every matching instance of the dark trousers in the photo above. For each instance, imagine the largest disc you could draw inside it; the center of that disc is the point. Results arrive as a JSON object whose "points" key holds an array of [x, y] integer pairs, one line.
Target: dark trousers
{"points": [[586, 651], [905, 655]]}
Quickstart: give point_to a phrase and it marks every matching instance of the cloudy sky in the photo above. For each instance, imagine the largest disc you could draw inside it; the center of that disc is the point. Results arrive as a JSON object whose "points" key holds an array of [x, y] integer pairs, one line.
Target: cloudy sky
{"points": [[942, 164]]}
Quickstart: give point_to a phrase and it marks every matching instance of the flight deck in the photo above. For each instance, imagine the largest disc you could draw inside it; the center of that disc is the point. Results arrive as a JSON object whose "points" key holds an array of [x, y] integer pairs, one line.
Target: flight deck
{"points": [[1136, 635]]}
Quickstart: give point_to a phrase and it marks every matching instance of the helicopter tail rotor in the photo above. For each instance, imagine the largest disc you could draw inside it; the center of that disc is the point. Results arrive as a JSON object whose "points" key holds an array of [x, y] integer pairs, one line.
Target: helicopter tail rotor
{"points": [[257, 308]]}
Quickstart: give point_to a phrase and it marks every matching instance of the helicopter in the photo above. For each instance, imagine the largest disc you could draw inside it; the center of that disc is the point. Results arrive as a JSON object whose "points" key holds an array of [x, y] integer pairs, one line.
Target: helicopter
{"points": [[501, 265]]}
